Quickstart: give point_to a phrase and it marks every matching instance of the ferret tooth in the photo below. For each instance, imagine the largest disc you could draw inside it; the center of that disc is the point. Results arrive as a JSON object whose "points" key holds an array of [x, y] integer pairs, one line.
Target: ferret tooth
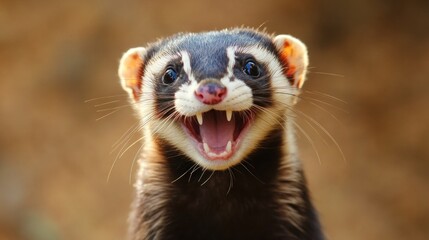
{"points": [[200, 118], [228, 115], [228, 146], [206, 148]]}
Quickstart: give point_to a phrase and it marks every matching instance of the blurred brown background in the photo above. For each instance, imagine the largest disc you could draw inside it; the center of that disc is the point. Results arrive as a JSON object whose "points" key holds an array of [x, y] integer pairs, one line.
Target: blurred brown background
{"points": [[55, 157]]}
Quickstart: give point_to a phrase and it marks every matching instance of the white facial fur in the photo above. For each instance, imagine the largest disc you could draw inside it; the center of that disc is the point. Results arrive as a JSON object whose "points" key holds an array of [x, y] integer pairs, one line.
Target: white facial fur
{"points": [[239, 98]]}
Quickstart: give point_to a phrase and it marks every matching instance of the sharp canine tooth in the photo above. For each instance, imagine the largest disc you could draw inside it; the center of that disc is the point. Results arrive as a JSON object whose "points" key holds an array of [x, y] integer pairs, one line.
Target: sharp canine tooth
{"points": [[228, 146], [206, 147], [228, 115], [200, 118]]}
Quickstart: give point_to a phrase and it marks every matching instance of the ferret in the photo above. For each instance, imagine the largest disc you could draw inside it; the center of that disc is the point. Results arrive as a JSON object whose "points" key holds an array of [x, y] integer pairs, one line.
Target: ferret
{"points": [[219, 159]]}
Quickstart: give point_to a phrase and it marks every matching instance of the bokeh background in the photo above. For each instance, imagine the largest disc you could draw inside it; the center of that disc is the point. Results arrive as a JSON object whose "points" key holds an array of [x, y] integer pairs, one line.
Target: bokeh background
{"points": [[368, 87]]}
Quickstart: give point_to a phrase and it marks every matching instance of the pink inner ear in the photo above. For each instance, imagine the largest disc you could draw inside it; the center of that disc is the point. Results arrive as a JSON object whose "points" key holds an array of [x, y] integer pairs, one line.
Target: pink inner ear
{"points": [[132, 73], [288, 69]]}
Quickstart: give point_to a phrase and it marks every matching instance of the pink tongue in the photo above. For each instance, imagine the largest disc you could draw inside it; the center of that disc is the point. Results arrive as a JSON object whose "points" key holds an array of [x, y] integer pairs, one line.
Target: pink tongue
{"points": [[216, 131]]}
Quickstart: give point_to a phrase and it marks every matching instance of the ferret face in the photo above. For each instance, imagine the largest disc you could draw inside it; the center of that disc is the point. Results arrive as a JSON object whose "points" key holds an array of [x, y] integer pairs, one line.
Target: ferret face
{"points": [[214, 96]]}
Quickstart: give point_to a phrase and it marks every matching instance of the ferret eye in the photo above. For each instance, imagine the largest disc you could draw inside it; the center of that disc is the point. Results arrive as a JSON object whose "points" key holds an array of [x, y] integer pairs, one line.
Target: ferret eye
{"points": [[251, 69], [169, 76]]}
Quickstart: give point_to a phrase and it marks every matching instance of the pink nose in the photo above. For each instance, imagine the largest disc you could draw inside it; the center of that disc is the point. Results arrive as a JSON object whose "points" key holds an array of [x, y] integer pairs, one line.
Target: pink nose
{"points": [[210, 92]]}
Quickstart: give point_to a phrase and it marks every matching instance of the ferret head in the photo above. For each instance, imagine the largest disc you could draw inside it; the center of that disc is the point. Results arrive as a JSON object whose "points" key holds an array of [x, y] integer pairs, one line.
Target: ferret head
{"points": [[214, 96]]}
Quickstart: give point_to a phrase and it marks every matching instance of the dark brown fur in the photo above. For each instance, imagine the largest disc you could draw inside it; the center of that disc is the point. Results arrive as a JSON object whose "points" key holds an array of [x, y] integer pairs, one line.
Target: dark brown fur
{"points": [[203, 205]]}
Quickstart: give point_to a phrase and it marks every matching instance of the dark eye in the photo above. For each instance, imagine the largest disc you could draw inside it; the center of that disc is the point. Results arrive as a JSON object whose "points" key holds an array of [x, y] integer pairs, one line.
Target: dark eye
{"points": [[251, 69], [169, 76]]}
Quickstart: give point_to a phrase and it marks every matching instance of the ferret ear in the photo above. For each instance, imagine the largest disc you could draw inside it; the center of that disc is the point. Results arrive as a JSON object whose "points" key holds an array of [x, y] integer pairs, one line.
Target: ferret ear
{"points": [[293, 56], [131, 67]]}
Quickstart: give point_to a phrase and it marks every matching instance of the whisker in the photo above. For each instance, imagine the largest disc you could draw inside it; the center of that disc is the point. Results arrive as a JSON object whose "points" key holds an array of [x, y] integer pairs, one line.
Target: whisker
{"points": [[316, 100], [114, 163], [132, 164], [106, 103], [175, 180], [325, 95], [269, 114], [208, 178], [99, 98], [327, 133], [231, 181], [113, 108], [329, 113], [125, 141], [309, 140], [114, 111], [110, 170], [251, 173], [125, 135], [160, 126], [326, 103], [196, 167], [135, 142], [316, 131], [202, 174], [328, 74]]}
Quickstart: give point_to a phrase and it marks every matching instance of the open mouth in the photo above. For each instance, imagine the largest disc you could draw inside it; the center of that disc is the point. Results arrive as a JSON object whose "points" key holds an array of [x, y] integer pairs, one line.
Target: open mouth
{"points": [[217, 134]]}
